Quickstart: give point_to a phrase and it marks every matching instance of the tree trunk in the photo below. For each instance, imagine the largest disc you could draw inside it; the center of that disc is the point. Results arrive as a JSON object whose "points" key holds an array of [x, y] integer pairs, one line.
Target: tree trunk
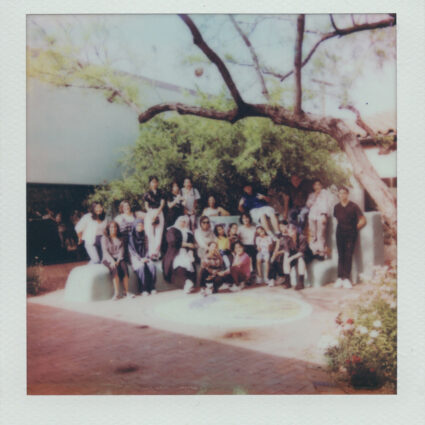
{"points": [[366, 174]]}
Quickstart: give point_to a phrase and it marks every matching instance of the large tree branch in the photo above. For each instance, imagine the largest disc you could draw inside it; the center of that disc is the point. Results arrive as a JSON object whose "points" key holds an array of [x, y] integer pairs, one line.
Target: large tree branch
{"points": [[254, 57], [214, 58], [298, 64]]}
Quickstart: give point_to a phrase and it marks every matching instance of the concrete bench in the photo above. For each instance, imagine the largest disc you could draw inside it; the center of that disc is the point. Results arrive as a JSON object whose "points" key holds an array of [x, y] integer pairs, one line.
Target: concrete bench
{"points": [[93, 282]]}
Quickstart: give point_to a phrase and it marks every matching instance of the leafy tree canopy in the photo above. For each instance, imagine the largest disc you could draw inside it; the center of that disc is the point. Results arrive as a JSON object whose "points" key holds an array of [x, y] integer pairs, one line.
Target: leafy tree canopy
{"points": [[219, 157]]}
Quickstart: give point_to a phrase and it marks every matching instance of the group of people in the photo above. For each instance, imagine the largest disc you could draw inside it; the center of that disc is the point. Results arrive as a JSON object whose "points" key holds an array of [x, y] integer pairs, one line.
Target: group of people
{"points": [[259, 249]]}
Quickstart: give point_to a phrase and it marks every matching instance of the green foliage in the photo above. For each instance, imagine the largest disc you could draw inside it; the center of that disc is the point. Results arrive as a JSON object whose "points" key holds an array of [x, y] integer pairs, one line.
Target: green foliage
{"points": [[366, 352], [219, 156]]}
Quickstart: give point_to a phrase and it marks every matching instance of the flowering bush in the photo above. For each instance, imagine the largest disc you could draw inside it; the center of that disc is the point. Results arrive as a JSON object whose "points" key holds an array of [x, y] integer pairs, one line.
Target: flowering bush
{"points": [[366, 351]]}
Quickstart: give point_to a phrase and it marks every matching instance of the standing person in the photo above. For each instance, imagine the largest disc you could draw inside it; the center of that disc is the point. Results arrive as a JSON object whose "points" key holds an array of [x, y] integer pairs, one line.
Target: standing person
{"points": [[143, 266], [191, 197], [241, 267], [246, 234], [296, 193], [203, 236], [90, 230], [125, 220], [212, 210], [264, 244], [276, 261], [154, 219], [179, 259], [257, 206], [350, 220], [320, 206], [113, 258], [175, 204], [294, 256]]}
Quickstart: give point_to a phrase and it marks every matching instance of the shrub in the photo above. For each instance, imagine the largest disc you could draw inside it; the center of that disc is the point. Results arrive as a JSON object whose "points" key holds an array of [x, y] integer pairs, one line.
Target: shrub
{"points": [[366, 351], [34, 278]]}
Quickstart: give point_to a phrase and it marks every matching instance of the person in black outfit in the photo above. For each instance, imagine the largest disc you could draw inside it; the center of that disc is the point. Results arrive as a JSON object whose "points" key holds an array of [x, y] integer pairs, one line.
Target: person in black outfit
{"points": [[154, 219], [350, 220], [296, 251], [175, 205]]}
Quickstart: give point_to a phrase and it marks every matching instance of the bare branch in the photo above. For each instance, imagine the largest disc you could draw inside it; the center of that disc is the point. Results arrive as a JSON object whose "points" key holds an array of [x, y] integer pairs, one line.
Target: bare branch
{"points": [[359, 120], [254, 57], [298, 64], [333, 23], [352, 19], [341, 32], [214, 58]]}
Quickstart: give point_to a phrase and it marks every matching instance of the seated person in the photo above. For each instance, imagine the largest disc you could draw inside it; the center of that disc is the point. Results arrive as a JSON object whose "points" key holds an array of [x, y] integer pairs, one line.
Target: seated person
{"points": [[203, 236], [233, 235], [222, 239], [179, 259], [113, 257], [215, 271], [143, 266], [246, 233], [257, 206], [212, 210], [175, 205], [320, 206], [294, 256], [264, 244], [296, 191], [276, 261], [241, 267]]}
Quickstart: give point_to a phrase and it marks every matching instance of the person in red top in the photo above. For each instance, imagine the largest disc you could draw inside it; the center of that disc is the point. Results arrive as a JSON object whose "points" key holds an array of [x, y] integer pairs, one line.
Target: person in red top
{"points": [[241, 267], [350, 220]]}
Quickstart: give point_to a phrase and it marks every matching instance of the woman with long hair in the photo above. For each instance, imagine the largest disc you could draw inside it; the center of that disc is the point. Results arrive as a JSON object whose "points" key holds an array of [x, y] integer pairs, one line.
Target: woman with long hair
{"points": [[125, 220], [113, 258], [90, 230], [154, 219], [179, 259], [143, 266]]}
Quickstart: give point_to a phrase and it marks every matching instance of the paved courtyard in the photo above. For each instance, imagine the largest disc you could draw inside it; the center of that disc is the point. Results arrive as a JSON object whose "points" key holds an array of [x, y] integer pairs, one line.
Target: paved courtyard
{"points": [[259, 341]]}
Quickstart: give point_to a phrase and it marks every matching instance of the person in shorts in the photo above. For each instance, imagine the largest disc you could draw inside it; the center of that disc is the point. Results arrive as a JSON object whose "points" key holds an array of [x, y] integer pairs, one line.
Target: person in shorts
{"points": [[264, 244], [257, 206]]}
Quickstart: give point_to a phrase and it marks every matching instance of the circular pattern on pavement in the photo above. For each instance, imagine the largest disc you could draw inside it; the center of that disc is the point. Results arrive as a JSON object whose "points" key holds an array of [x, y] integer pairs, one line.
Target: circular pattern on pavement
{"points": [[246, 308]]}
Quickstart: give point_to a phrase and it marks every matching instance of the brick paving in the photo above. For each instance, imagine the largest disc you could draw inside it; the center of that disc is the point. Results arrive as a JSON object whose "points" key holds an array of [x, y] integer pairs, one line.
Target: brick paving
{"points": [[74, 353]]}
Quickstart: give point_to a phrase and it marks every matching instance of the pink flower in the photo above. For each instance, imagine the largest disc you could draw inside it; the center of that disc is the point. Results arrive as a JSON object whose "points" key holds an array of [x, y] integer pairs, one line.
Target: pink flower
{"points": [[350, 321]]}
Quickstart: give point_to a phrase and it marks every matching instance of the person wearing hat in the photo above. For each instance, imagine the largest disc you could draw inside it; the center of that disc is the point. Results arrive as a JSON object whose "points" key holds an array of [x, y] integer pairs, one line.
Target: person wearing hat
{"points": [[142, 264]]}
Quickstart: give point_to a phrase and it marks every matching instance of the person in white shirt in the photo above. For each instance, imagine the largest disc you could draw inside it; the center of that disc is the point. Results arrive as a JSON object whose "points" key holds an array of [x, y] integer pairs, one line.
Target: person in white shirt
{"points": [[320, 204], [203, 236], [191, 197], [212, 210], [246, 233], [90, 230]]}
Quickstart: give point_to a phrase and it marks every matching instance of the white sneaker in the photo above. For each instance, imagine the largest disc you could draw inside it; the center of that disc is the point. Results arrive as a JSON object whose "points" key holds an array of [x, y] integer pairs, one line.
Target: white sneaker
{"points": [[203, 292], [235, 288], [208, 291], [258, 280], [188, 286], [145, 294], [154, 291], [338, 283], [270, 282], [224, 286], [346, 284]]}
